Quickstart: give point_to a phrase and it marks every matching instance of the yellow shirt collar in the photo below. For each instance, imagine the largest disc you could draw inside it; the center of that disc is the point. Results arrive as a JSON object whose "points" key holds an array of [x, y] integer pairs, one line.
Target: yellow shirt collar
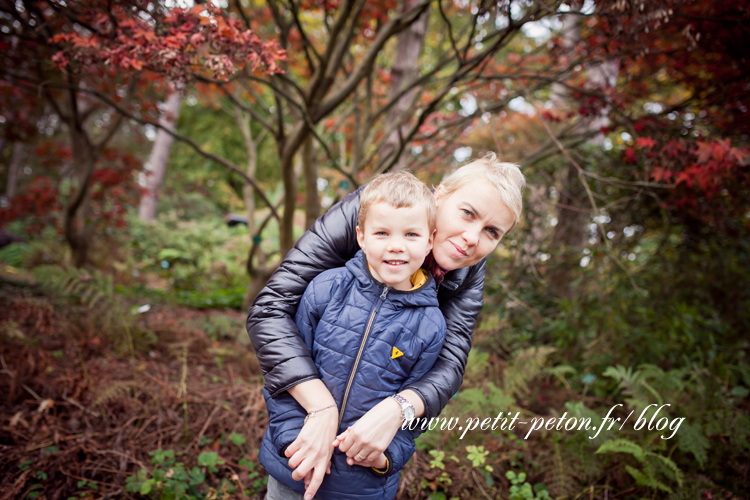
{"points": [[417, 279]]}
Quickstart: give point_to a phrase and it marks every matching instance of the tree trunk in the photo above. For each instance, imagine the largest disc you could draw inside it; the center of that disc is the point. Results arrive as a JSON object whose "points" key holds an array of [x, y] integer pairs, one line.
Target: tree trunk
{"points": [[310, 171], [286, 228], [13, 168], [404, 71], [251, 146], [574, 209], [77, 219], [156, 166], [569, 235]]}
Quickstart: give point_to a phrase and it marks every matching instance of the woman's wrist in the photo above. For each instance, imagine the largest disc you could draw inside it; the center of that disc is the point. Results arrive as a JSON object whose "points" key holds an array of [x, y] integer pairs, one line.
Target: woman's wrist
{"points": [[416, 401], [312, 395]]}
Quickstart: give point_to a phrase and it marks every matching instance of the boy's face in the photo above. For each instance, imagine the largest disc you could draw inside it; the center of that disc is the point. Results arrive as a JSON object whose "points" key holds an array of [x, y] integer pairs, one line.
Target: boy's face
{"points": [[395, 241]]}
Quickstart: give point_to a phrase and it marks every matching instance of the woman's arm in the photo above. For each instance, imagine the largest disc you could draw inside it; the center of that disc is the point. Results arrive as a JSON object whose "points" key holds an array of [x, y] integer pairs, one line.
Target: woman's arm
{"points": [[460, 308], [282, 354]]}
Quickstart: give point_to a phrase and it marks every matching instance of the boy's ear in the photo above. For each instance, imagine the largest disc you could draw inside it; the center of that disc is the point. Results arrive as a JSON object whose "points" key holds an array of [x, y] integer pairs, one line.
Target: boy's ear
{"points": [[430, 242], [360, 238]]}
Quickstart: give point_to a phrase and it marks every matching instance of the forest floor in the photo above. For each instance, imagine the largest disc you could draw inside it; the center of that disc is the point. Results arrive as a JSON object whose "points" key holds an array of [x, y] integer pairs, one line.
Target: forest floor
{"points": [[80, 414]]}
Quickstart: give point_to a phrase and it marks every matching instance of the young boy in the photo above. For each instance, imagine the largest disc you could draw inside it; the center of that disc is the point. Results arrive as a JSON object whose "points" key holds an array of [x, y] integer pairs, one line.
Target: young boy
{"points": [[372, 327]]}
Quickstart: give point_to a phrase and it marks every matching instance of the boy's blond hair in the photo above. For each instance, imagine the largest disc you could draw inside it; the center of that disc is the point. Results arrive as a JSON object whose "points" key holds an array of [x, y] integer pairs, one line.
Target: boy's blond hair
{"points": [[398, 189], [506, 177]]}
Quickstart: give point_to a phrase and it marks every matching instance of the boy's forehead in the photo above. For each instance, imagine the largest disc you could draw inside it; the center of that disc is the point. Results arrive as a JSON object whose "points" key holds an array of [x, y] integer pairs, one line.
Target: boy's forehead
{"points": [[385, 215]]}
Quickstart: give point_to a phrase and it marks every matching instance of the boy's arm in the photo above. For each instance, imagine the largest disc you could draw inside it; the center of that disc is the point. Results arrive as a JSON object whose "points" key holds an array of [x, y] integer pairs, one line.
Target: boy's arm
{"points": [[398, 454], [282, 354]]}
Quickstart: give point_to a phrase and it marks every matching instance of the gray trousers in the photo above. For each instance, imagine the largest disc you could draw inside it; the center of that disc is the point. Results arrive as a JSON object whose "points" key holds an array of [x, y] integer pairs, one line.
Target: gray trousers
{"points": [[279, 491]]}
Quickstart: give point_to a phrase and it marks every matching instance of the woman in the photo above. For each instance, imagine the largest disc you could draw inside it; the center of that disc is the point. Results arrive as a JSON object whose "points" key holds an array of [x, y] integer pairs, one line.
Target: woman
{"points": [[476, 206]]}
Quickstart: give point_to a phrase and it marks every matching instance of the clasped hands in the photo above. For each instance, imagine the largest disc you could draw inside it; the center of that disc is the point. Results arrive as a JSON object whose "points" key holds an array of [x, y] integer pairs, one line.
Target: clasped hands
{"points": [[364, 443]]}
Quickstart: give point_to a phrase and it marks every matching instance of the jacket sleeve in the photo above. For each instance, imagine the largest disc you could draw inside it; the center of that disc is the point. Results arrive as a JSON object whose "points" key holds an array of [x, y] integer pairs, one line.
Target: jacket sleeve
{"points": [[432, 330], [282, 354], [461, 308], [398, 453]]}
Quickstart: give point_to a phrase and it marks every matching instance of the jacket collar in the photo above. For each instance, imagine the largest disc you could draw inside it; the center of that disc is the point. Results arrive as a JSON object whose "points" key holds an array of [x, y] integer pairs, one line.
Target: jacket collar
{"points": [[424, 296]]}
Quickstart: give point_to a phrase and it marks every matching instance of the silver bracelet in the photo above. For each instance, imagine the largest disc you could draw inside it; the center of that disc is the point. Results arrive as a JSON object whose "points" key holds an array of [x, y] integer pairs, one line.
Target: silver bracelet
{"points": [[312, 413]]}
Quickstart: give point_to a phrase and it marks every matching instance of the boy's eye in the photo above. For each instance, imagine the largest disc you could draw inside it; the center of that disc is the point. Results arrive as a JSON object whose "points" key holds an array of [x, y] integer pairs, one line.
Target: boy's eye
{"points": [[412, 235], [381, 233]]}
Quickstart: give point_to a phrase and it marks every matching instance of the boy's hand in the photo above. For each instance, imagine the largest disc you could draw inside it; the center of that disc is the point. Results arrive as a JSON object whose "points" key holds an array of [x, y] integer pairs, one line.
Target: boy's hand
{"points": [[310, 454], [379, 461], [367, 439]]}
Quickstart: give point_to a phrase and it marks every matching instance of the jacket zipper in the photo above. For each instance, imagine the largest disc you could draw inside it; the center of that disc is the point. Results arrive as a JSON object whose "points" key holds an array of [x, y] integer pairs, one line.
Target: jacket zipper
{"points": [[359, 354]]}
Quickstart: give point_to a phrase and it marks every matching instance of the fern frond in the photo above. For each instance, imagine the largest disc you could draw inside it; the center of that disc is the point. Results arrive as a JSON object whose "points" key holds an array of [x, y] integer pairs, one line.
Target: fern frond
{"points": [[645, 479], [118, 389], [666, 466], [692, 440], [623, 446], [525, 366]]}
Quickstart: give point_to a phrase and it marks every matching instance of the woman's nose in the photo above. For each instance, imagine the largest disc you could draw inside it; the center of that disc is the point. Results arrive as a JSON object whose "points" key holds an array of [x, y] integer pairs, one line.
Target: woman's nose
{"points": [[471, 237]]}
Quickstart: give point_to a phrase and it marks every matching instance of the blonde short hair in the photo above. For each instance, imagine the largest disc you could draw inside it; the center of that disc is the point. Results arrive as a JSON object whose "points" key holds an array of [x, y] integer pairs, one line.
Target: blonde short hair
{"points": [[506, 177], [398, 189]]}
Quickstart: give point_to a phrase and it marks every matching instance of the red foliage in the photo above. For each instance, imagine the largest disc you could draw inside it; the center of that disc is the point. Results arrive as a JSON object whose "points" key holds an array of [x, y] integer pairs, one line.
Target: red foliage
{"points": [[711, 178], [113, 188], [178, 43]]}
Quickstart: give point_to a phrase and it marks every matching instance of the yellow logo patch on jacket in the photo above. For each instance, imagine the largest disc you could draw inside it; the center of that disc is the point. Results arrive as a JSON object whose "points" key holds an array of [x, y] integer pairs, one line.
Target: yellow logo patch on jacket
{"points": [[396, 353]]}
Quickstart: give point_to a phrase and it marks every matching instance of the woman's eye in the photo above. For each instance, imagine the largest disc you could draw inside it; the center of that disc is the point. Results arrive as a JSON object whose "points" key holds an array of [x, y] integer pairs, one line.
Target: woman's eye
{"points": [[494, 234], [467, 213]]}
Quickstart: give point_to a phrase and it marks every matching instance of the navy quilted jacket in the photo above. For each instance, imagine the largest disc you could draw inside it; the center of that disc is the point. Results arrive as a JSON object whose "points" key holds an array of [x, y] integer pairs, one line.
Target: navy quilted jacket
{"points": [[351, 323]]}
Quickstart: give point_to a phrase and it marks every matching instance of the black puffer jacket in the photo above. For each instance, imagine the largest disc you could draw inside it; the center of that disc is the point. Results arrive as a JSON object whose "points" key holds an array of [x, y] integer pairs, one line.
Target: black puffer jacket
{"points": [[331, 242]]}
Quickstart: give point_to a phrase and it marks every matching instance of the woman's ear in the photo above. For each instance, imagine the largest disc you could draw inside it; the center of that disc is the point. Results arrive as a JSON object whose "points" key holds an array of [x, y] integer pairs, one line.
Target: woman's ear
{"points": [[439, 194]]}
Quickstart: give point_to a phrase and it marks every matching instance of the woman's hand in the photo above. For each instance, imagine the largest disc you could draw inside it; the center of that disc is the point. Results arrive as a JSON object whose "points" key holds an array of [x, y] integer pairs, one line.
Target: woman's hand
{"points": [[310, 454]]}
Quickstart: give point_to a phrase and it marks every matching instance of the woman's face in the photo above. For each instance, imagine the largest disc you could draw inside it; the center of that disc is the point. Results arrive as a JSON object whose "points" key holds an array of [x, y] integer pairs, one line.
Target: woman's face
{"points": [[470, 223]]}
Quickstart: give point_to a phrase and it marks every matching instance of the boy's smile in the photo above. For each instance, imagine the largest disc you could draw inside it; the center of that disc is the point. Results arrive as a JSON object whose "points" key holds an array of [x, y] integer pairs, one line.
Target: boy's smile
{"points": [[395, 241]]}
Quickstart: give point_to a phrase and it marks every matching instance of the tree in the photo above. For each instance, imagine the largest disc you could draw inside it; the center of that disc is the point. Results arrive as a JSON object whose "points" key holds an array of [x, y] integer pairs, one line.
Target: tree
{"points": [[156, 166], [103, 52]]}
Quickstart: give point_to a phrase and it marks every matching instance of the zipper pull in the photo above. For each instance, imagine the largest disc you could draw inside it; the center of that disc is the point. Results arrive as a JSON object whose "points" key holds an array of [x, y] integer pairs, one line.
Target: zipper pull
{"points": [[385, 292]]}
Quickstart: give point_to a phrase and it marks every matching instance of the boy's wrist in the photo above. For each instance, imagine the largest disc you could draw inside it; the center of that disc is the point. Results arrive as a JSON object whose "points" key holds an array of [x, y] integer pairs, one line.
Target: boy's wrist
{"points": [[381, 462]]}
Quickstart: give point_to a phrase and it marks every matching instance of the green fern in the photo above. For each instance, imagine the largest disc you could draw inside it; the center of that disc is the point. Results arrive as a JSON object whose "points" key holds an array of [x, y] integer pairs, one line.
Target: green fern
{"points": [[623, 446], [652, 464], [526, 365], [95, 291], [692, 440]]}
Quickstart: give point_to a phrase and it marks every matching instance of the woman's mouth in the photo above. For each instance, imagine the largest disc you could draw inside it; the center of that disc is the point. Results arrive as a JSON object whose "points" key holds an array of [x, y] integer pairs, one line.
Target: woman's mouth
{"points": [[458, 249]]}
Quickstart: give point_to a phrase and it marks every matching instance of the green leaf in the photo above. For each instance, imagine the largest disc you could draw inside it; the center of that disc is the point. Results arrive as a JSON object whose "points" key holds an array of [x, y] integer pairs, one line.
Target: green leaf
{"points": [[209, 459], [247, 464], [196, 476], [146, 487], [237, 439]]}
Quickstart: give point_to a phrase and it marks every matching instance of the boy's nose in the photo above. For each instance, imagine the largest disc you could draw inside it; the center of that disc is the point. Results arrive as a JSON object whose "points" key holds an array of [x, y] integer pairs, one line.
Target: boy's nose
{"points": [[395, 246]]}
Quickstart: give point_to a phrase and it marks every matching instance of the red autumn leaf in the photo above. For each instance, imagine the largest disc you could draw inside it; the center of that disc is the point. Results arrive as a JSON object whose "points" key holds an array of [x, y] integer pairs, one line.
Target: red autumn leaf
{"points": [[646, 142], [629, 156], [684, 177], [660, 174]]}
